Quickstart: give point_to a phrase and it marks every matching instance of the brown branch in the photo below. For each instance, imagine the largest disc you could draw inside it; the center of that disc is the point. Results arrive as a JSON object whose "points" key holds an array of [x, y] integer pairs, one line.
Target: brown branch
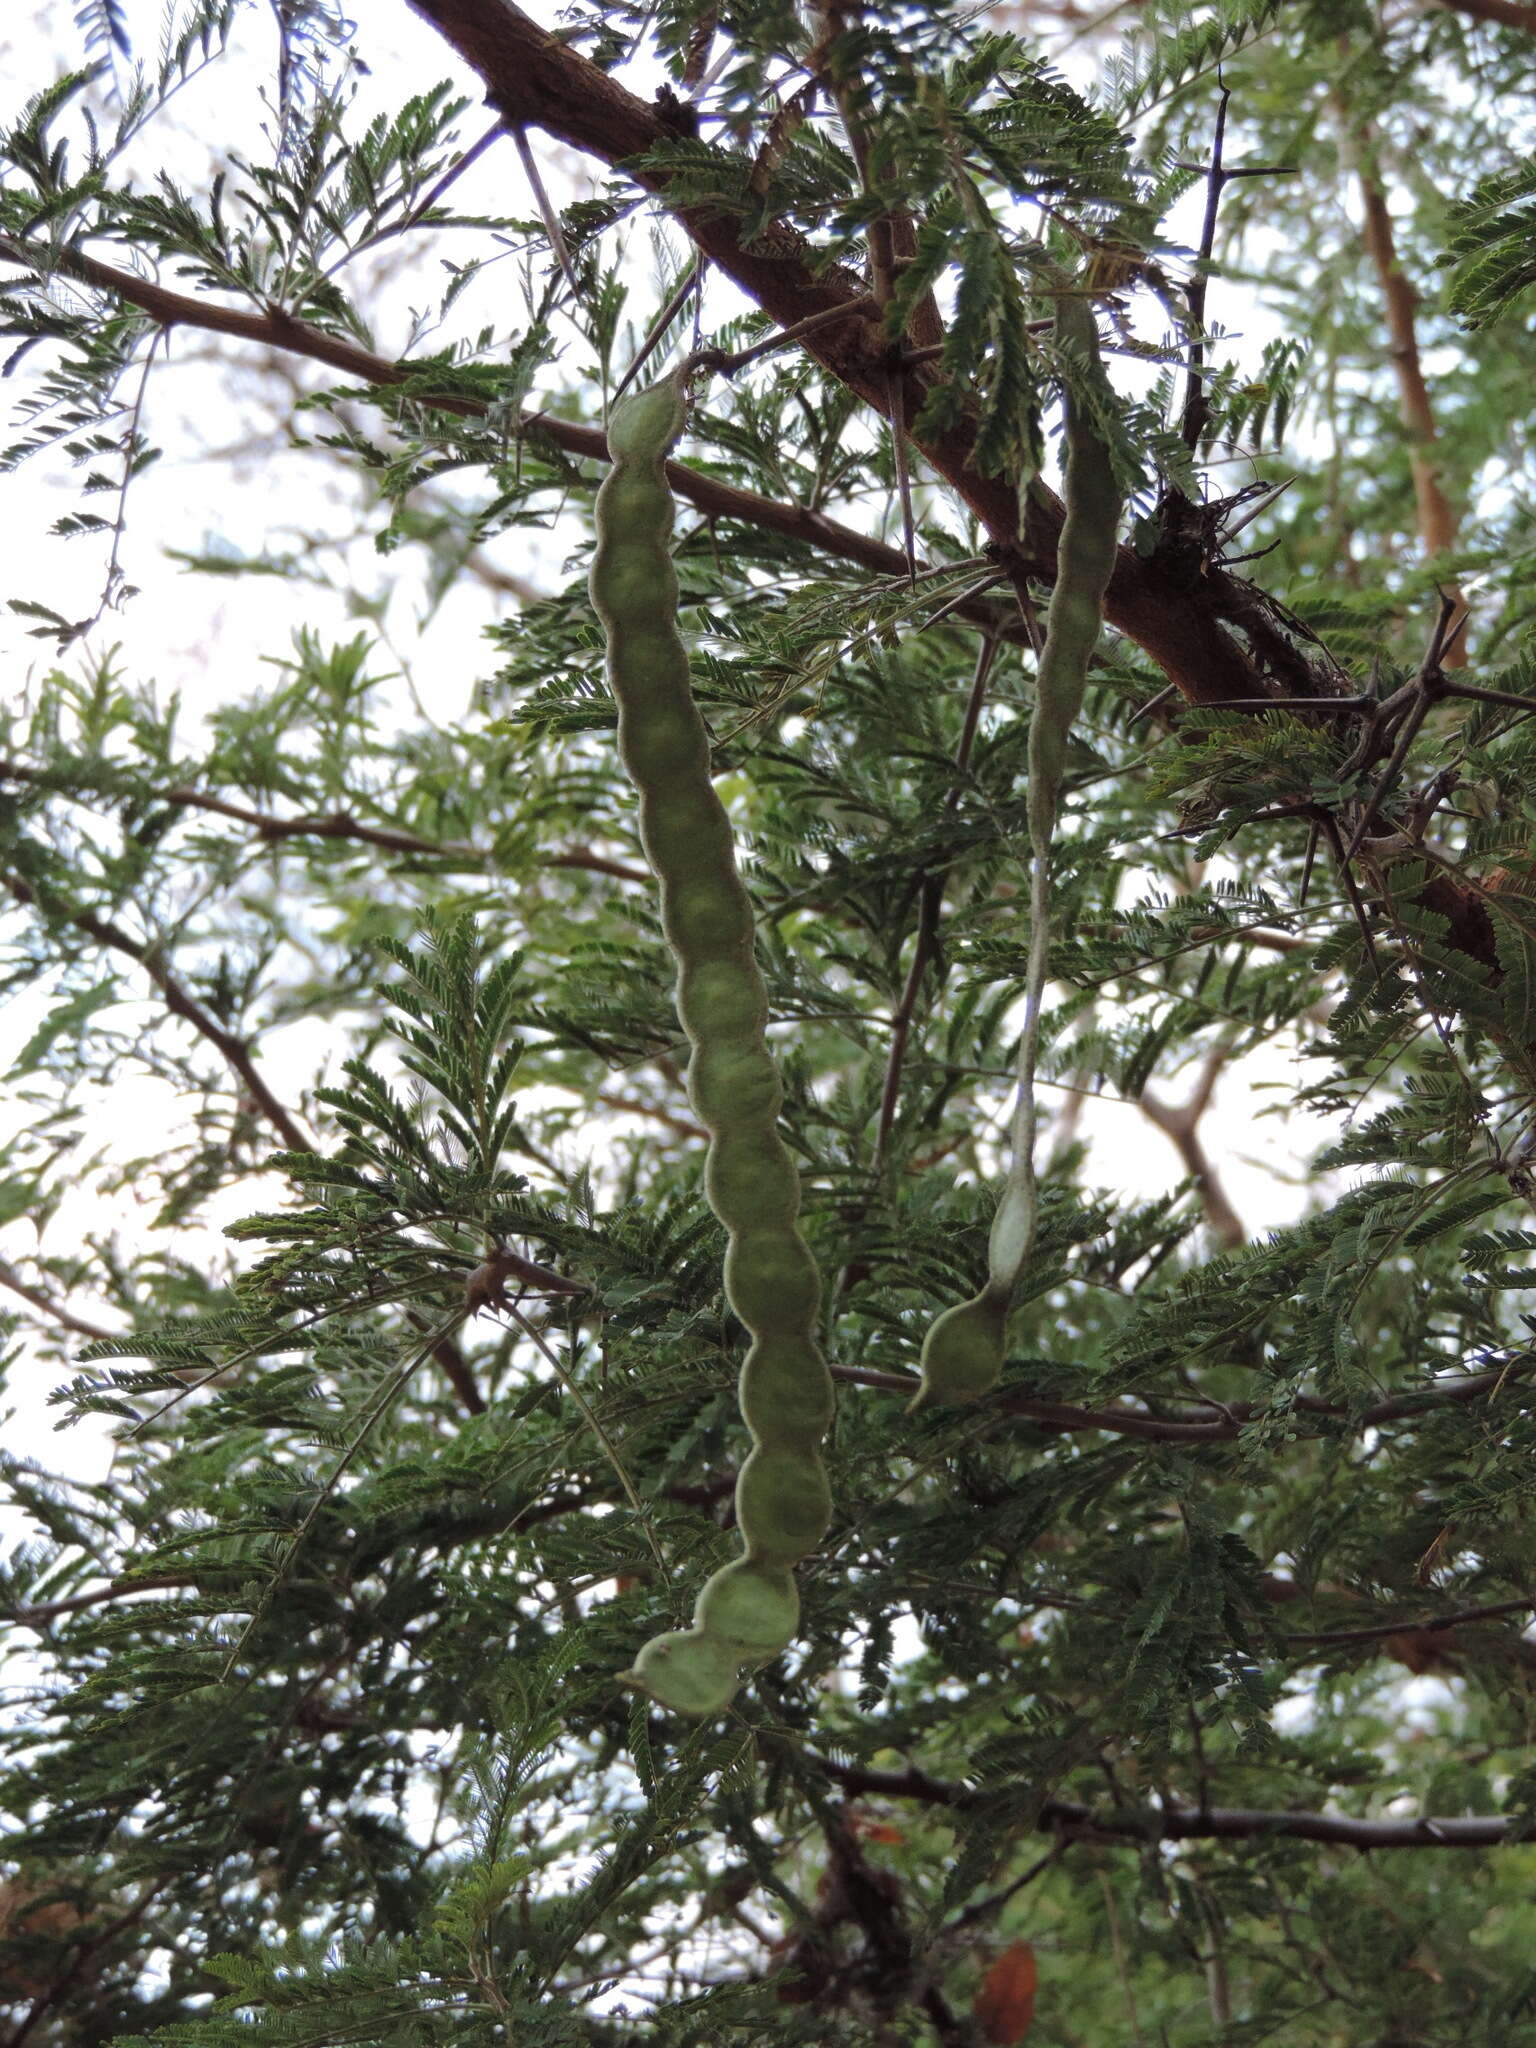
{"points": [[1177, 614], [1141, 1826], [178, 1000], [330, 825], [594, 864], [1415, 1626], [339, 825], [1141, 1422], [1180, 1124], [632, 1105], [47, 1610], [276, 330], [237, 1055], [856, 1893], [1436, 519], [57, 1313]]}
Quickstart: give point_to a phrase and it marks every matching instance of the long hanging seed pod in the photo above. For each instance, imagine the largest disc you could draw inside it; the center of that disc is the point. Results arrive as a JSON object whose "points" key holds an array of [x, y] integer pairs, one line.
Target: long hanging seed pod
{"points": [[748, 1611], [963, 1352]]}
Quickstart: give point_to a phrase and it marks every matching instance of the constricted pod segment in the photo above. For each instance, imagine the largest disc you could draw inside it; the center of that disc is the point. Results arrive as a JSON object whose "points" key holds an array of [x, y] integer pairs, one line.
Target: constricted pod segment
{"points": [[963, 1353], [749, 1610]]}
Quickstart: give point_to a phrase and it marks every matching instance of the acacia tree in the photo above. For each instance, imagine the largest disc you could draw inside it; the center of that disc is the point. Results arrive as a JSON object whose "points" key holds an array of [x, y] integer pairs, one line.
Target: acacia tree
{"points": [[1098, 1678]]}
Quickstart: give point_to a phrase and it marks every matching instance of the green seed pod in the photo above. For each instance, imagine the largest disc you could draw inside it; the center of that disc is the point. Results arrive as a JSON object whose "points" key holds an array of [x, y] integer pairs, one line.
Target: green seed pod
{"points": [[753, 1607], [728, 1080], [689, 1671], [748, 1612], [700, 924], [714, 1003], [770, 1273], [964, 1350], [775, 1404], [783, 1505]]}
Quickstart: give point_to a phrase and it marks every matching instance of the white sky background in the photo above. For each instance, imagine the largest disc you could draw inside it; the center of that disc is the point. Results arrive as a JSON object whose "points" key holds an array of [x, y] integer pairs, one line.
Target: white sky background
{"points": [[206, 638]]}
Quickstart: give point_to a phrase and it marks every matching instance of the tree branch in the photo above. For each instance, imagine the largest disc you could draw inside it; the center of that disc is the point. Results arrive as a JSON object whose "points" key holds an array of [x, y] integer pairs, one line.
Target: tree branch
{"points": [[337, 825], [1140, 1827], [48, 1610], [274, 329], [1435, 518], [237, 1054], [55, 1311], [178, 1000], [1180, 1124], [1177, 613], [1141, 1422], [1411, 1625]]}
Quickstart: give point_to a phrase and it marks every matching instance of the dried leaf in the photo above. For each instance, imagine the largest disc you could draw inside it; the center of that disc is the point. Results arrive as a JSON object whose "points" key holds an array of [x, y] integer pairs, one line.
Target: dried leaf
{"points": [[1005, 2004]]}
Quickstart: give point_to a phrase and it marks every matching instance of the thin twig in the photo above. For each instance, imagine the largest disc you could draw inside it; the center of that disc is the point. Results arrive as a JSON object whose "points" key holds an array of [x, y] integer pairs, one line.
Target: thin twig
{"points": [[419, 212], [178, 1000], [930, 902], [728, 361], [370, 1419], [594, 1423], [658, 327], [333, 825], [1138, 1826], [1180, 1124], [1196, 409], [57, 1313]]}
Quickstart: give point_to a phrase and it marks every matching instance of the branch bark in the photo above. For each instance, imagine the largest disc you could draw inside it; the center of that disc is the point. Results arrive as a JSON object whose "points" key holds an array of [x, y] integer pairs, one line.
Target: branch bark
{"points": [[340, 825], [274, 329], [1436, 519], [1181, 612], [1139, 1827]]}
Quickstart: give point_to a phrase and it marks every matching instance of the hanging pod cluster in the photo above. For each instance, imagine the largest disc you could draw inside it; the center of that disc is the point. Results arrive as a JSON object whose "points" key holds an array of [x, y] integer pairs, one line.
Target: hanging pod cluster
{"points": [[963, 1353], [748, 1611]]}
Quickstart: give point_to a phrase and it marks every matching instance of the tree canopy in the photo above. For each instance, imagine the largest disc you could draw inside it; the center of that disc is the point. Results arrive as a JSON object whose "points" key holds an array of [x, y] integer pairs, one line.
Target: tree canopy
{"points": [[1173, 1690]]}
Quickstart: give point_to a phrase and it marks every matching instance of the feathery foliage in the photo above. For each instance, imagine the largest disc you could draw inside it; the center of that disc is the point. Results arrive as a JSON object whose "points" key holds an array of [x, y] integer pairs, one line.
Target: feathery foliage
{"points": [[353, 1196]]}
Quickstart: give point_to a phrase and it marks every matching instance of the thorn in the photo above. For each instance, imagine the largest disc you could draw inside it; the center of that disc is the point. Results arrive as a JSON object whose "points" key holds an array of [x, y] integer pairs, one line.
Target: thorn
{"points": [[659, 326], [547, 213], [903, 475], [977, 590], [1389, 775], [1309, 861], [1146, 710], [1346, 876], [1263, 505]]}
